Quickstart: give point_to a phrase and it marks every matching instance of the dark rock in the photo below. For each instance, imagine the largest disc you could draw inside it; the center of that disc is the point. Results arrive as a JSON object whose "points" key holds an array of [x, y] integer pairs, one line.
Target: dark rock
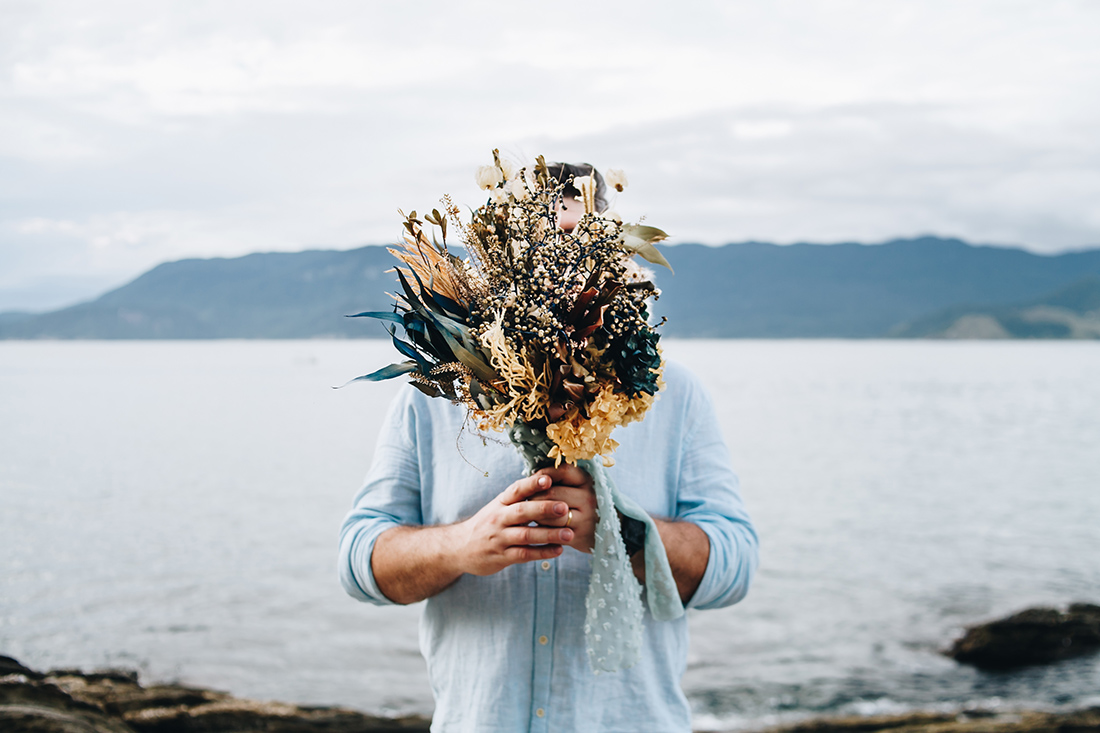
{"points": [[114, 675], [120, 695], [10, 666], [1079, 721], [1034, 636], [269, 717], [113, 701], [34, 706], [866, 724]]}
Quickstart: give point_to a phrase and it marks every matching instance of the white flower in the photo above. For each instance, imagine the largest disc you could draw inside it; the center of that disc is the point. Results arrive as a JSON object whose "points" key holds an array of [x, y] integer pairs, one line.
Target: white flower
{"points": [[498, 196], [586, 185], [612, 216], [616, 179], [518, 188], [508, 168], [488, 176]]}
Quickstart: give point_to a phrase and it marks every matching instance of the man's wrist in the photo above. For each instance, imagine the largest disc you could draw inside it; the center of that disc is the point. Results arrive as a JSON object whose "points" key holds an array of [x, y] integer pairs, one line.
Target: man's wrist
{"points": [[633, 532], [450, 548]]}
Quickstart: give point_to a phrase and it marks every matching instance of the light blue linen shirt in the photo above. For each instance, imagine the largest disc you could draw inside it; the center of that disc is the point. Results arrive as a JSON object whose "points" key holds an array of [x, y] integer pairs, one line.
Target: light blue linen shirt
{"points": [[506, 652]]}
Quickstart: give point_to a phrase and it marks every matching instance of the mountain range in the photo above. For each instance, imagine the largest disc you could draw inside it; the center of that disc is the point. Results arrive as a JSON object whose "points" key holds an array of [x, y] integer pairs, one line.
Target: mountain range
{"points": [[924, 287]]}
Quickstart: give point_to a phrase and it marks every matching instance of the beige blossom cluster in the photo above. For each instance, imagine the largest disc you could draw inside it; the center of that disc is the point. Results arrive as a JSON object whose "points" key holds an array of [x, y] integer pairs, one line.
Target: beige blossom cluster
{"points": [[585, 435]]}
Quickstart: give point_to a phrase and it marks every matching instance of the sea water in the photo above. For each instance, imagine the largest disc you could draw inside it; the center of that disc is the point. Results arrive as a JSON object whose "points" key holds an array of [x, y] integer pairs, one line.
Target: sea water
{"points": [[173, 507]]}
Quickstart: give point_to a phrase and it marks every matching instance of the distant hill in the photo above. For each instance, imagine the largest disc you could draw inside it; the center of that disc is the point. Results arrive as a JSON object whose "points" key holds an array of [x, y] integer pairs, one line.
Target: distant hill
{"points": [[1071, 312], [760, 290], [275, 295], [750, 290]]}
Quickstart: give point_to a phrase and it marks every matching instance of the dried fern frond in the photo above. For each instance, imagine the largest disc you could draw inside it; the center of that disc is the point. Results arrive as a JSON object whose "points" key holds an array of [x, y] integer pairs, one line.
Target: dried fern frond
{"points": [[434, 268]]}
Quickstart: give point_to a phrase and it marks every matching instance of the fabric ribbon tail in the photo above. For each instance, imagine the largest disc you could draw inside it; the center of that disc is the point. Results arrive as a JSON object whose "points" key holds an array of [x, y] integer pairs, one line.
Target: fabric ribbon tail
{"points": [[614, 612], [662, 595]]}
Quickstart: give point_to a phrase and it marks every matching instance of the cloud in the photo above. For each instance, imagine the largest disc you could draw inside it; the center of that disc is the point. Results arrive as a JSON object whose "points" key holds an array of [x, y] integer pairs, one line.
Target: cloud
{"points": [[861, 172], [132, 133]]}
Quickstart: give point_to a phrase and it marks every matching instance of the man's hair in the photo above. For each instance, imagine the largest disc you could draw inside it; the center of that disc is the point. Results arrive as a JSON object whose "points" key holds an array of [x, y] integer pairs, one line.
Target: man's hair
{"points": [[563, 172]]}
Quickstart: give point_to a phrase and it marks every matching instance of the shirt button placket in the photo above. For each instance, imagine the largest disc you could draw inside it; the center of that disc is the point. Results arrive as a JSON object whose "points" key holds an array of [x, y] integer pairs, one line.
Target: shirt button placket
{"points": [[546, 581]]}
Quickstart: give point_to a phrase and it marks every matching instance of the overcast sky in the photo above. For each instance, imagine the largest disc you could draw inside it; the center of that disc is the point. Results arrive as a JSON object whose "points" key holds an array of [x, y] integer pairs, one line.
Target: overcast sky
{"points": [[133, 133]]}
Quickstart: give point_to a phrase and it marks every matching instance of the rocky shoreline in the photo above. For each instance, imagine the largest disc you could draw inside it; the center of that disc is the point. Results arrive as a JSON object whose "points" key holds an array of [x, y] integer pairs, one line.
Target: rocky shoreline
{"points": [[974, 721], [113, 701]]}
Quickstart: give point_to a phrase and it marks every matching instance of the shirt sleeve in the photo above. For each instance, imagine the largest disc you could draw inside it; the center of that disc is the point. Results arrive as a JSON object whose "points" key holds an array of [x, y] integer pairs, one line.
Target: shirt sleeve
{"points": [[390, 497], [709, 497]]}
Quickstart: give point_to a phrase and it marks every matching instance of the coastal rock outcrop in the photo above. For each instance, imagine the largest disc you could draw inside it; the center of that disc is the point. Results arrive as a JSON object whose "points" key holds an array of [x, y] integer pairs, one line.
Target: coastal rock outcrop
{"points": [[1034, 636], [113, 701], [976, 721]]}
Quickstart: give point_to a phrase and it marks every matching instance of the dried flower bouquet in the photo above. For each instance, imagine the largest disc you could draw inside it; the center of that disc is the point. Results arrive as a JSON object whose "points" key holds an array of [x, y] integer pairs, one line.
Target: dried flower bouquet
{"points": [[540, 332]]}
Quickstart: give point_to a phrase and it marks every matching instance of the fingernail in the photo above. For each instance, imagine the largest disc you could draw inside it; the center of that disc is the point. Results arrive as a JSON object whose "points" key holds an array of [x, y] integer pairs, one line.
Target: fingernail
{"points": [[544, 481], [561, 508], [567, 535]]}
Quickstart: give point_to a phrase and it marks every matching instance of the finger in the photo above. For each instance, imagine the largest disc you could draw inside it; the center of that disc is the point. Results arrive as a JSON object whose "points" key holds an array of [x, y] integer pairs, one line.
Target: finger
{"points": [[527, 553], [578, 518], [515, 536], [568, 475], [523, 489], [542, 512], [571, 495]]}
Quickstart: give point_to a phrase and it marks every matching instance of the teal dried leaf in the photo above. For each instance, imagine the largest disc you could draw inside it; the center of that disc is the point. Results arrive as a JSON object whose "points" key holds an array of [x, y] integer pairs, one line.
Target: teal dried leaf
{"points": [[428, 389], [471, 360], [479, 395], [380, 315], [411, 352], [386, 372], [442, 304], [451, 307], [414, 301]]}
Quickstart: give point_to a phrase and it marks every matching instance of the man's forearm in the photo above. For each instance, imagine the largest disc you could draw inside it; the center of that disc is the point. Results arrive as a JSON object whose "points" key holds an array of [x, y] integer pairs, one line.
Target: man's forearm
{"points": [[688, 550], [414, 563]]}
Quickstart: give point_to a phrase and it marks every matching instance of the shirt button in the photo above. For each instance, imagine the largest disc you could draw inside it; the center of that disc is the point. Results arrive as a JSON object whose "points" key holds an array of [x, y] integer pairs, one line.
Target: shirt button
{"points": [[540, 712], [543, 640], [545, 564]]}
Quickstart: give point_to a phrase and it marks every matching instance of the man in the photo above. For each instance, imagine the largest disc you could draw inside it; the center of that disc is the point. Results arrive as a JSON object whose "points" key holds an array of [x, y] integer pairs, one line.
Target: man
{"points": [[504, 567]]}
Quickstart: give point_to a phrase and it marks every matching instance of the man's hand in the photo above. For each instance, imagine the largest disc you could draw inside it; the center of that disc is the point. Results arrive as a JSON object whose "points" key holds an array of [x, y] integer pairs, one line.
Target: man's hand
{"points": [[414, 563], [499, 535], [573, 486], [686, 545]]}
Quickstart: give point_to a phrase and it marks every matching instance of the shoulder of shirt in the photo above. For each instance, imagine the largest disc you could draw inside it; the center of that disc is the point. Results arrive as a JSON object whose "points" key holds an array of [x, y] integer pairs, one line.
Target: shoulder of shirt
{"points": [[681, 382]]}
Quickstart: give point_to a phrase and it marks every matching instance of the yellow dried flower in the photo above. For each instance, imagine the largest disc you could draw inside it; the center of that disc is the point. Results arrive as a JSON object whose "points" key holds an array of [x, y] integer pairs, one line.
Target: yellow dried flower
{"points": [[577, 437]]}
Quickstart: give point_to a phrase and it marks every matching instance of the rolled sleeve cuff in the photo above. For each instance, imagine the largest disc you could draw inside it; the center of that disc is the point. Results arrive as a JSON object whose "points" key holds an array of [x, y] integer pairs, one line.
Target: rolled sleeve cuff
{"points": [[730, 565], [356, 545]]}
